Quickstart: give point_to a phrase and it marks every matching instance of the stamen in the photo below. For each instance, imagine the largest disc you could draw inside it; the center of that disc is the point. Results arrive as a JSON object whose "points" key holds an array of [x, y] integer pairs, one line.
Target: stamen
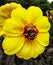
{"points": [[30, 32]]}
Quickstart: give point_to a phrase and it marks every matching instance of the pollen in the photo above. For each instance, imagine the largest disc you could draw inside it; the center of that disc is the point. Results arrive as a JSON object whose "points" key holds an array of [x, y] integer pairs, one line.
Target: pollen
{"points": [[30, 32]]}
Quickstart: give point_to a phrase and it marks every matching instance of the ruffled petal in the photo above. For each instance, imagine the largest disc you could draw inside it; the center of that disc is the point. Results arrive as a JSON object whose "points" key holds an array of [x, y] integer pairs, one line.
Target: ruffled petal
{"points": [[20, 15], [5, 13], [12, 45], [43, 38], [33, 13], [5, 10], [26, 51], [42, 24], [1, 25], [37, 48], [12, 27], [1, 31], [27, 15]]}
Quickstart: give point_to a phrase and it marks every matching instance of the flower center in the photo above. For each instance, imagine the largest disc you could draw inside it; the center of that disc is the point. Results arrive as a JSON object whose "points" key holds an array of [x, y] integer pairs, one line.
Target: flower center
{"points": [[30, 32]]}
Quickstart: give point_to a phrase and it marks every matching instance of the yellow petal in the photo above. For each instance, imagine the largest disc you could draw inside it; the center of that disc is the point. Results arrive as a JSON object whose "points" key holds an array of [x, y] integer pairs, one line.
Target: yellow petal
{"points": [[42, 24], [12, 45], [26, 51], [13, 27], [27, 15], [33, 13], [37, 48], [43, 38], [7, 9], [5, 13], [20, 15], [11, 6], [1, 31], [2, 20], [1, 25]]}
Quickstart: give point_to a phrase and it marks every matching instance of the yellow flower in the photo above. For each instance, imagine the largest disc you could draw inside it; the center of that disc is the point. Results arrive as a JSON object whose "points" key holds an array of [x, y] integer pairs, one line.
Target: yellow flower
{"points": [[5, 13], [26, 33]]}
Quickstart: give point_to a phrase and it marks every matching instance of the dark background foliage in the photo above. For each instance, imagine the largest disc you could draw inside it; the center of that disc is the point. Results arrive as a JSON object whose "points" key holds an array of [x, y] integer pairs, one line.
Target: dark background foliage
{"points": [[44, 59]]}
